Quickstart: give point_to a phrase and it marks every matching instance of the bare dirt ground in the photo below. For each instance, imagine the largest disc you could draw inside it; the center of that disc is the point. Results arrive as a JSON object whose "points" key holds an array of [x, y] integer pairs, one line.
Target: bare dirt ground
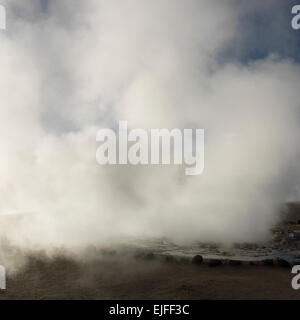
{"points": [[116, 278]]}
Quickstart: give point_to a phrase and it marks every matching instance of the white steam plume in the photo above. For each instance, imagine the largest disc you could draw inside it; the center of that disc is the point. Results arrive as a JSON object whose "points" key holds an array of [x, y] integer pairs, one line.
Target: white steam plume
{"points": [[73, 69]]}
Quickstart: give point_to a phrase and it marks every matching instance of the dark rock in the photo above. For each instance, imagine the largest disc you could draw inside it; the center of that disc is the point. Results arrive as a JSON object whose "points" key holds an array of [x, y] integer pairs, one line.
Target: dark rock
{"points": [[235, 262], [283, 263], [295, 263], [214, 262], [268, 262], [197, 259]]}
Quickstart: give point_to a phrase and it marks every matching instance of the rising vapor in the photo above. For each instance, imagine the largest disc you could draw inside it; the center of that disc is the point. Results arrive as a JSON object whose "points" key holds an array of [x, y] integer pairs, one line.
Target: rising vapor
{"points": [[69, 70]]}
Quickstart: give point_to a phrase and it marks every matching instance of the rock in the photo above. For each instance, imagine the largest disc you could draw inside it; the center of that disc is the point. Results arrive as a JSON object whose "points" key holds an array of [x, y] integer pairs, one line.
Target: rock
{"points": [[268, 262], [214, 262], [283, 263], [295, 262], [235, 262], [197, 260]]}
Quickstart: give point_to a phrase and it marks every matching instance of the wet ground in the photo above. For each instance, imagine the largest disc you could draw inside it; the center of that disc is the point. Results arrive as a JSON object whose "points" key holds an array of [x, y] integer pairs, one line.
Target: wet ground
{"points": [[161, 269], [284, 245], [115, 276]]}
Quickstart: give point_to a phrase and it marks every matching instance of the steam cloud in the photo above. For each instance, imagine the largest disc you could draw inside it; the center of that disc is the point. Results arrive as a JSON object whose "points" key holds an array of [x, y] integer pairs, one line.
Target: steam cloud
{"points": [[70, 68]]}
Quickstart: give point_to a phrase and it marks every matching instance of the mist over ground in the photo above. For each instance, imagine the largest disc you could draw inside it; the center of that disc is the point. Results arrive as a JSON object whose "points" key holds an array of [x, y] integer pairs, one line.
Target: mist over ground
{"points": [[68, 70]]}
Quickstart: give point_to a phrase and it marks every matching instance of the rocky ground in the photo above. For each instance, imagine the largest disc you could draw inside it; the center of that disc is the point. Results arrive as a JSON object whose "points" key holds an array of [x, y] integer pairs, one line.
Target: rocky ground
{"points": [[112, 276], [160, 269]]}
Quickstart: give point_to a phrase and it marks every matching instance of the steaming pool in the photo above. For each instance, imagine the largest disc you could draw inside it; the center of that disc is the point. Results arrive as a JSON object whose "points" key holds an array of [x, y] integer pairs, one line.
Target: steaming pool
{"points": [[241, 252]]}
